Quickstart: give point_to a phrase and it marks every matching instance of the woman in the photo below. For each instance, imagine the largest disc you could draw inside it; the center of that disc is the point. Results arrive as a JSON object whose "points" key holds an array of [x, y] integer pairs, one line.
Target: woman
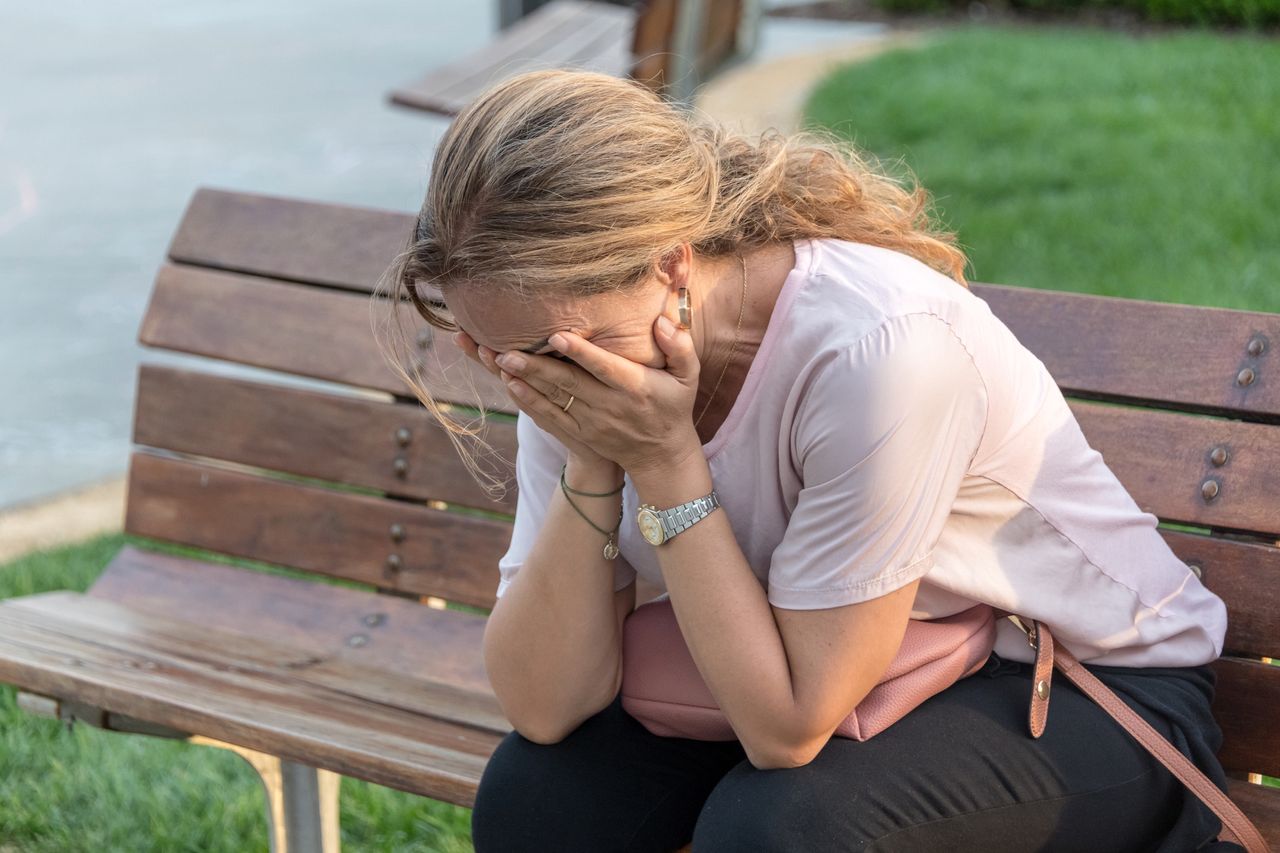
{"points": [[881, 447]]}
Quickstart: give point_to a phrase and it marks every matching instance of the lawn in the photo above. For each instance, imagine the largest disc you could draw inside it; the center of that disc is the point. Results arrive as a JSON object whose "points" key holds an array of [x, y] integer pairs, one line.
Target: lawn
{"points": [[1066, 159], [1084, 160]]}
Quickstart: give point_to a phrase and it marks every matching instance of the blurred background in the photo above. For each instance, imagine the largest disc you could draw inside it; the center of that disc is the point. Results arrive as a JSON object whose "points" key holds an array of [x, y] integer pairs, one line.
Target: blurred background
{"points": [[1120, 147]]}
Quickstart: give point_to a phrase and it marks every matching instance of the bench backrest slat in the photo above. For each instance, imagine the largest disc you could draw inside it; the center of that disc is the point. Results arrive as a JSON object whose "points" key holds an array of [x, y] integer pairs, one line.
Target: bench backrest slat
{"points": [[1176, 356], [1166, 461], [340, 246], [345, 440], [348, 534], [303, 330], [1247, 577], [1246, 696]]}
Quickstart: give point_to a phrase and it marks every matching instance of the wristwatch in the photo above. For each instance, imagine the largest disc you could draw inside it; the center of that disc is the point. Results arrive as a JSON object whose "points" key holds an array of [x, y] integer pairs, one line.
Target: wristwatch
{"points": [[659, 525]]}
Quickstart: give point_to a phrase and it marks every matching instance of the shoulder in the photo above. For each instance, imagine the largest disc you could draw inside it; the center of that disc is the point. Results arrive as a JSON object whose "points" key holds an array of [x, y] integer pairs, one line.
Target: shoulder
{"points": [[905, 386]]}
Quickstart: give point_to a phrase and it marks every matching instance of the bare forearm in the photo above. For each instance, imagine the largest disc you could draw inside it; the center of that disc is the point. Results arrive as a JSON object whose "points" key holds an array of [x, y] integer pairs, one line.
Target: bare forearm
{"points": [[725, 617], [551, 645]]}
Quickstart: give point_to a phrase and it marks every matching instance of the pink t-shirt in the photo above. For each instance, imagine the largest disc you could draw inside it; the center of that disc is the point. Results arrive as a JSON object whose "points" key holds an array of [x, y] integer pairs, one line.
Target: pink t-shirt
{"points": [[892, 428]]}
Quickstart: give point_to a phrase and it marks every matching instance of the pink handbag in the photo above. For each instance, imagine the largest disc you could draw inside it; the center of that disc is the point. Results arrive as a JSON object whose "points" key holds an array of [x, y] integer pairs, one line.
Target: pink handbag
{"points": [[662, 688]]}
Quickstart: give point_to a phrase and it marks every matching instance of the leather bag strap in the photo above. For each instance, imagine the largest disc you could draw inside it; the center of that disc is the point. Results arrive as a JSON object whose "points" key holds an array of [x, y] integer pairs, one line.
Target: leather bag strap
{"points": [[1236, 826]]}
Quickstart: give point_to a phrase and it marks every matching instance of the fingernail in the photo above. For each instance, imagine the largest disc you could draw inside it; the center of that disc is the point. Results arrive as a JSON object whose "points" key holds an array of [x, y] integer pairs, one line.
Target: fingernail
{"points": [[517, 389], [557, 341], [665, 325], [511, 361]]}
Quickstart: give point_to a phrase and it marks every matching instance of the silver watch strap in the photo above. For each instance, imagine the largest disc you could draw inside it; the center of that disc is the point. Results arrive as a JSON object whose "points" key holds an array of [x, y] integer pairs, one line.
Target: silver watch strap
{"points": [[680, 518]]}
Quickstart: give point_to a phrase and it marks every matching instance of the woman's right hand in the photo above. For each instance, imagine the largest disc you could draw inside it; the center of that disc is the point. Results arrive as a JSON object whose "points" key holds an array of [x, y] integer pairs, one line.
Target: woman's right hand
{"points": [[582, 459]]}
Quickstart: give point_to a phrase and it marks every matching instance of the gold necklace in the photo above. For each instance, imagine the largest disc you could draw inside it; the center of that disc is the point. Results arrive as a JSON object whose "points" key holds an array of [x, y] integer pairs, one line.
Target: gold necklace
{"points": [[741, 310]]}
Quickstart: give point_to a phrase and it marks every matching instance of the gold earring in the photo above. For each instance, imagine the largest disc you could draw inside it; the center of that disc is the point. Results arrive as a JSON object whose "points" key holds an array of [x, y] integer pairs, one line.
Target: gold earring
{"points": [[684, 309]]}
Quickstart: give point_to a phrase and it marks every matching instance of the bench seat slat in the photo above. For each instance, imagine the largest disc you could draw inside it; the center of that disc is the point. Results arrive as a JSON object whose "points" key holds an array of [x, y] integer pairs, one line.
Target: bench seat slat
{"points": [[344, 439], [200, 639], [577, 33], [48, 651], [323, 619], [338, 533]]}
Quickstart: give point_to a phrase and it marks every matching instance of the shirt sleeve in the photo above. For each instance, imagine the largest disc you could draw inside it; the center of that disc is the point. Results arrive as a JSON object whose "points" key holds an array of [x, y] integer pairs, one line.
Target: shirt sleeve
{"points": [[539, 457], [883, 436]]}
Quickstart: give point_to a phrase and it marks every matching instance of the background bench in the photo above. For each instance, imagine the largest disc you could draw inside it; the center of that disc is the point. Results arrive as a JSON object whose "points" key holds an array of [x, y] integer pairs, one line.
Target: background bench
{"points": [[348, 477], [670, 45]]}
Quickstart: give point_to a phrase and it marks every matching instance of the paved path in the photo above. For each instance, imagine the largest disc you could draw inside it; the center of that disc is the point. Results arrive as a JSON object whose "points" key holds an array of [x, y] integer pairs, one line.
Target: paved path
{"points": [[117, 113]]}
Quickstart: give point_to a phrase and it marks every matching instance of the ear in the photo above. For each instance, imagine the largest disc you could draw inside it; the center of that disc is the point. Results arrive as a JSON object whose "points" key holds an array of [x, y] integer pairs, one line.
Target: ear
{"points": [[675, 267]]}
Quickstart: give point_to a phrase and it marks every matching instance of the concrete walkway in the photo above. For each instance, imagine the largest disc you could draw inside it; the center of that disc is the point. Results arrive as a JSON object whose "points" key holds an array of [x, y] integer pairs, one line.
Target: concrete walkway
{"points": [[306, 121]]}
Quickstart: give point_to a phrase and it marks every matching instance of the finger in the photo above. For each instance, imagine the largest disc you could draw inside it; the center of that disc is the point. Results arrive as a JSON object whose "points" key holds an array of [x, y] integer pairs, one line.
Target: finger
{"points": [[487, 358], [609, 369], [538, 407], [463, 341], [677, 345], [552, 378]]}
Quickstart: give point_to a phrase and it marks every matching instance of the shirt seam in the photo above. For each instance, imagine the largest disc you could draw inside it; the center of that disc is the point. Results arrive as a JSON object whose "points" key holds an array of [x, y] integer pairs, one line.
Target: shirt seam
{"points": [[1074, 544]]}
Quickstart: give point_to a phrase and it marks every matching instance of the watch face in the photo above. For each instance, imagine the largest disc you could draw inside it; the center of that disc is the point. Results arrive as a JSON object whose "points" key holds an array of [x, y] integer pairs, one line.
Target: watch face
{"points": [[650, 527]]}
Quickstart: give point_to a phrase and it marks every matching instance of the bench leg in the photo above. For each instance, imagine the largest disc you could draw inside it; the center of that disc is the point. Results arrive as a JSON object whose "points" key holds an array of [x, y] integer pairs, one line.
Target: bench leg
{"points": [[302, 801]]}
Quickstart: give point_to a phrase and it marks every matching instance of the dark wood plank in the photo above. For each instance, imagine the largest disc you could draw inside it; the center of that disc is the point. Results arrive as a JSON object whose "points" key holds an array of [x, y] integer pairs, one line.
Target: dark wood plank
{"points": [[1247, 578], [344, 439], [1166, 459], [1185, 355], [304, 330], [198, 638], [527, 36], [1245, 705], [325, 620], [594, 36], [334, 245], [338, 533], [48, 651], [1261, 804]]}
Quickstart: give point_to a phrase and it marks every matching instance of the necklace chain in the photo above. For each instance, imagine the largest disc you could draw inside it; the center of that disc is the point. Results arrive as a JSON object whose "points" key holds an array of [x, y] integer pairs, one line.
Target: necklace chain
{"points": [[734, 349]]}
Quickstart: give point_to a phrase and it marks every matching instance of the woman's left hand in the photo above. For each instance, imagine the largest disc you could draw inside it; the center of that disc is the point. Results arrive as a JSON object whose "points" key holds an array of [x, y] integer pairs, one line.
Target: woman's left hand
{"points": [[638, 416]]}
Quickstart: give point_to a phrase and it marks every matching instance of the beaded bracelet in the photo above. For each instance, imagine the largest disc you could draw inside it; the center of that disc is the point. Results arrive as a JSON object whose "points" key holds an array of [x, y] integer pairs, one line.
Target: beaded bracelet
{"points": [[611, 545]]}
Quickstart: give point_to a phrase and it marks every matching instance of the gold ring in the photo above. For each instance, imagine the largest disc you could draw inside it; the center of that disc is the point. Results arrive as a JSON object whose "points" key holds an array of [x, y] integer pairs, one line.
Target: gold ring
{"points": [[568, 404]]}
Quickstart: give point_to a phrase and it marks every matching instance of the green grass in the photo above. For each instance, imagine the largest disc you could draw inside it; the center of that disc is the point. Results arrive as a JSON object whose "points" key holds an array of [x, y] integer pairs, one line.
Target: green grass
{"points": [[91, 791], [1074, 159]]}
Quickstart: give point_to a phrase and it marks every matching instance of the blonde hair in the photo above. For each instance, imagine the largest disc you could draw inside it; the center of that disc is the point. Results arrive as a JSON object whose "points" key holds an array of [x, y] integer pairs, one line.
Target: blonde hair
{"points": [[573, 182]]}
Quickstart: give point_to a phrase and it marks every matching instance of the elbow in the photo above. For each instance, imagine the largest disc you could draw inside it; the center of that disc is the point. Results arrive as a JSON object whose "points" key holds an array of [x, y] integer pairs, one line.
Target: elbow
{"points": [[542, 736], [782, 759], [779, 752]]}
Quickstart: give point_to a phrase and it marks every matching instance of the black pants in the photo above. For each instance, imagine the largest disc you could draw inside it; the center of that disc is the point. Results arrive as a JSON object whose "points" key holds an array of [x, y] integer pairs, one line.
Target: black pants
{"points": [[959, 773]]}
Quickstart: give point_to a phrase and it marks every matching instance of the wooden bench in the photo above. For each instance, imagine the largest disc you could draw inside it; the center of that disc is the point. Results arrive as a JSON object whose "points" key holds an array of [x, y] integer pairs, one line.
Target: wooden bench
{"points": [[670, 45], [348, 477]]}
